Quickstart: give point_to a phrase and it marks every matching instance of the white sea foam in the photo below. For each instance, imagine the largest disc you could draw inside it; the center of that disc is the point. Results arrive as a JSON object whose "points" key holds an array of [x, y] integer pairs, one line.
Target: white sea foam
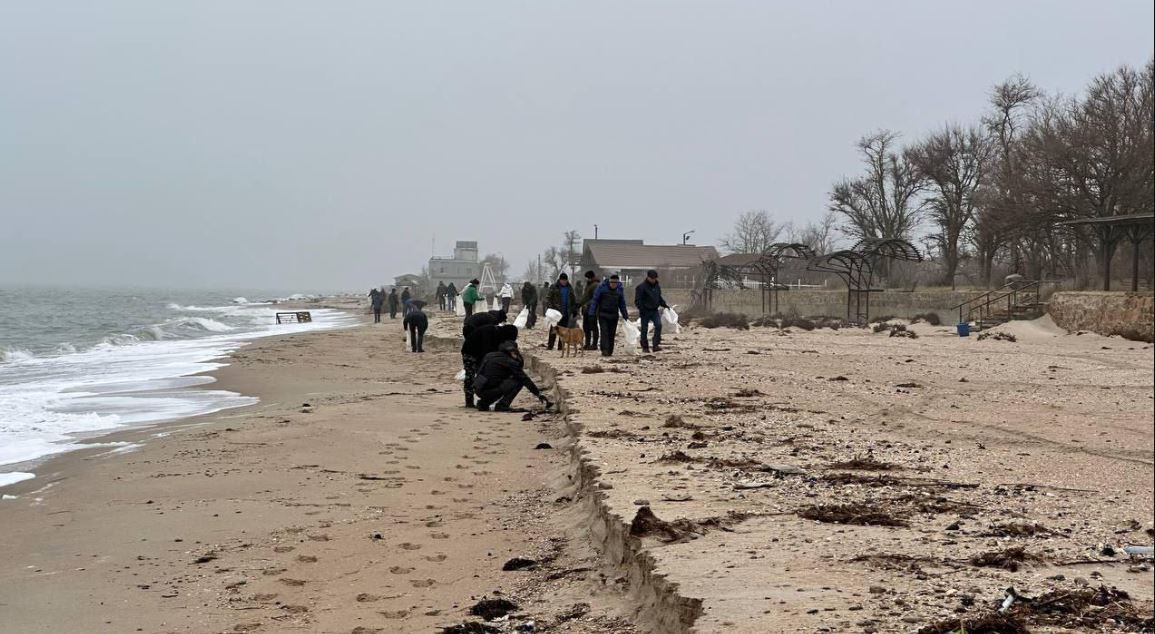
{"points": [[49, 403], [13, 478]]}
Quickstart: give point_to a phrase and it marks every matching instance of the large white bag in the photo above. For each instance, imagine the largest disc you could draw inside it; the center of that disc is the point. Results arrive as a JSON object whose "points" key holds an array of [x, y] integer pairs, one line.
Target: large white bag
{"points": [[633, 331], [459, 308], [553, 316], [522, 318], [670, 320], [496, 304]]}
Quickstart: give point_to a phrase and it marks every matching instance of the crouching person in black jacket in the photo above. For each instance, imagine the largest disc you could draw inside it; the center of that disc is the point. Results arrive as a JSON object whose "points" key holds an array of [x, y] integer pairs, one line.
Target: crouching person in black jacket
{"points": [[501, 377]]}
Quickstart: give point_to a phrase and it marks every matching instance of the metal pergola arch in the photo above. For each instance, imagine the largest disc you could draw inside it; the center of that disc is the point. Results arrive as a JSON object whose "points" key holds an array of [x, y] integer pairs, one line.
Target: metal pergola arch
{"points": [[856, 265]]}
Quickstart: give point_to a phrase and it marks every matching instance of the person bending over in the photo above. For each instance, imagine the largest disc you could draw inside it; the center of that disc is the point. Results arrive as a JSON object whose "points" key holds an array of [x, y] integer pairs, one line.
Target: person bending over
{"points": [[416, 322], [482, 341], [477, 320], [501, 377]]}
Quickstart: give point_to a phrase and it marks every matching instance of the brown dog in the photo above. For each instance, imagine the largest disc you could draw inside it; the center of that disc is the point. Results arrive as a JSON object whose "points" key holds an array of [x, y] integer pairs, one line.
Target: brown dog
{"points": [[570, 339]]}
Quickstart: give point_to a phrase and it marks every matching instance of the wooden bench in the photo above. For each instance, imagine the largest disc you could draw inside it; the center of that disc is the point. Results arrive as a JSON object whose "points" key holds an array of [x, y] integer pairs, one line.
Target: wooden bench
{"points": [[297, 317]]}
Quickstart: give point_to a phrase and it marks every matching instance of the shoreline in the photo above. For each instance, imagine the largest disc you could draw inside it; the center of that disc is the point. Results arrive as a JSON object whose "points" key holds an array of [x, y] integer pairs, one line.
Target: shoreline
{"points": [[357, 496]]}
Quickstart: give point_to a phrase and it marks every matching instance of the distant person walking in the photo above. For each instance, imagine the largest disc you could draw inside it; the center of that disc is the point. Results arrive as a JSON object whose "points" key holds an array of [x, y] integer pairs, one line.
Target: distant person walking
{"points": [[416, 322], [563, 299], [506, 296], [440, 295], [648, 299], [405, 297], [377, 301], [529, 301], [480, 342], [589, 322], [470, 296], [609, 301], [451, 297], [394, 303], [500, 378]]}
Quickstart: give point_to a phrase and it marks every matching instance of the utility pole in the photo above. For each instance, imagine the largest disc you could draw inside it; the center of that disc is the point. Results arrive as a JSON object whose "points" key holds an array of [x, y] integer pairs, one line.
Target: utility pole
{"points": [[686, 237], [595, 232]]}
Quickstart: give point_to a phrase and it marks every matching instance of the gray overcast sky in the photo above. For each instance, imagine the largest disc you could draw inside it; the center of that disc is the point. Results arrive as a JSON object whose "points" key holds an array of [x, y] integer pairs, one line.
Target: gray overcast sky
{"points": [[324, 145]]}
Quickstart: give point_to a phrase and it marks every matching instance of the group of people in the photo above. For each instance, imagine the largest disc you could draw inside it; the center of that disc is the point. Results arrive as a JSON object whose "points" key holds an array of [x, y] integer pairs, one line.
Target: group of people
{"points": [[446, 296], [378, 299], [494, 369], [600, 306]]}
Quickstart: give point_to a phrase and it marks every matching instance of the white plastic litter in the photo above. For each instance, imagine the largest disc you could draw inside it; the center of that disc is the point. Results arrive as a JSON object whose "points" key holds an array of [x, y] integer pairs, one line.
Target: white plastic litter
{"points": [[670, 320], [633, 332], [460, 376], [522, 318], [553, 316]]}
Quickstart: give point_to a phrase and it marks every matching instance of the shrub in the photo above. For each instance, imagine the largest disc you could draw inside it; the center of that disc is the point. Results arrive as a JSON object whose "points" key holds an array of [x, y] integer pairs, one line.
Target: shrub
{"points": [[736, 321], [803, 323], [930, 318]]}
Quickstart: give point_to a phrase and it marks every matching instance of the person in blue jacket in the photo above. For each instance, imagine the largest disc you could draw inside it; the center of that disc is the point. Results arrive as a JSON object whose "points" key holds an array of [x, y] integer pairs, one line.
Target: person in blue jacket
{"points": [[608, 302]]}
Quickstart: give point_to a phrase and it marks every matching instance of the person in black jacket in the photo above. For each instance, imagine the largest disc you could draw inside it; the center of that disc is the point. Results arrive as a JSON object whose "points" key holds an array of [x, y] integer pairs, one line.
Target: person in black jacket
{"points": [[477, 320], [500, 378], [529, 301], [377, 300], [608, 301], [479, 343], [648, 298], [394, 302], [416, 322]]}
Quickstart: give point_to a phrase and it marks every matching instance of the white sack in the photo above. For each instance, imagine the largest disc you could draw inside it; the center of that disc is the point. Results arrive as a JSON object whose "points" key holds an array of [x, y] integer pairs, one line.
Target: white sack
{"points": [[522, 318], [670, 320]]}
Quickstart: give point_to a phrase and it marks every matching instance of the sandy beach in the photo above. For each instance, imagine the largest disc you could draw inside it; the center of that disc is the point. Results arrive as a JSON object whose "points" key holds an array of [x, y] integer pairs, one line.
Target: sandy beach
{"points": [[358, 496], [741, 481]]}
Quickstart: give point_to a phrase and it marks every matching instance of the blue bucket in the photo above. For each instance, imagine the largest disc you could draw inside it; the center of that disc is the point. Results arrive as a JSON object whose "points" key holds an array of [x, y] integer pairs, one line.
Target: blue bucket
{"points": [[964, 329]]}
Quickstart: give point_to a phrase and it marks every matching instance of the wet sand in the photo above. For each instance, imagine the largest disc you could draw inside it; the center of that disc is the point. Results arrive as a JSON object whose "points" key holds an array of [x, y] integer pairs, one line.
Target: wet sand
{"points": [[357, 496]]}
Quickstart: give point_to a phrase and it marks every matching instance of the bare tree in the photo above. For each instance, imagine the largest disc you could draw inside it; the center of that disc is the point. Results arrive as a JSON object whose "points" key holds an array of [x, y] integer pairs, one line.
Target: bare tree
{"points": [[1004, 196], [571, 250], [753, 232], [954, 163], [819, 235], [534, 272], [883, 203], [497, 264], [553, 262]]}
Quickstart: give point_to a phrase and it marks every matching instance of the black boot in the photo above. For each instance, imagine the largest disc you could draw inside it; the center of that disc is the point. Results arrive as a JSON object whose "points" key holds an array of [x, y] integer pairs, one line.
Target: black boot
{"points": [[469, 400]]}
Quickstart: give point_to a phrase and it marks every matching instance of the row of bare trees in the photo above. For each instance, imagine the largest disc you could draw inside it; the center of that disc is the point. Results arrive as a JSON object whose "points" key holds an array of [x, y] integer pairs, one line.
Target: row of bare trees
{"points": [[995, 191]]}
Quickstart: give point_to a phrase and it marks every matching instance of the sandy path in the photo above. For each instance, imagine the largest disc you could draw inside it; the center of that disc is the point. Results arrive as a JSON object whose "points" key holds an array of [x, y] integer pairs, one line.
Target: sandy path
{"points": [[358, 496]]}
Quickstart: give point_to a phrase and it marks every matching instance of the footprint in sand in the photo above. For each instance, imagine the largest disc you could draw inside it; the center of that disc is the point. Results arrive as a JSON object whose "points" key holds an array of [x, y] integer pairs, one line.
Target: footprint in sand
{"points": [[307, 559], [436, 492], [401, 570], [296, 583], [439, 535], [423, 583], [413, 466], [409, 546], [264, 597], [319, 538], [283, 549], [272, 572], [394, 614], [463, 485], [450, 479], [438, 558]]}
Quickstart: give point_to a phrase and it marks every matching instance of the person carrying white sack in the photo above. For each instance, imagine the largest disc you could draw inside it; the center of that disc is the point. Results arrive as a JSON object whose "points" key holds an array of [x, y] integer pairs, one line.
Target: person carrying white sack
{"points": [[648, 299], [506, 296]]}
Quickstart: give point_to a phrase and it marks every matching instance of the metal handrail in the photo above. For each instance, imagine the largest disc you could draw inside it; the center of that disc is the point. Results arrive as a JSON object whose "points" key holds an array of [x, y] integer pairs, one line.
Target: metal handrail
{"points": [[1012, 297], [985, 295]]}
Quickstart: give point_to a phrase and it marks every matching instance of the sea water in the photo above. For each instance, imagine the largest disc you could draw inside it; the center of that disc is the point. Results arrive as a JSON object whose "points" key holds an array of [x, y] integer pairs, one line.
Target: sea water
{"points": [[75, 363]]}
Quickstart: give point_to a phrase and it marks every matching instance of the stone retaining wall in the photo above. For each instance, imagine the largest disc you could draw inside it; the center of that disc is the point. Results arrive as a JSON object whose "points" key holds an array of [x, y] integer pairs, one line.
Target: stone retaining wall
{"points": [[1129, 315]]}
